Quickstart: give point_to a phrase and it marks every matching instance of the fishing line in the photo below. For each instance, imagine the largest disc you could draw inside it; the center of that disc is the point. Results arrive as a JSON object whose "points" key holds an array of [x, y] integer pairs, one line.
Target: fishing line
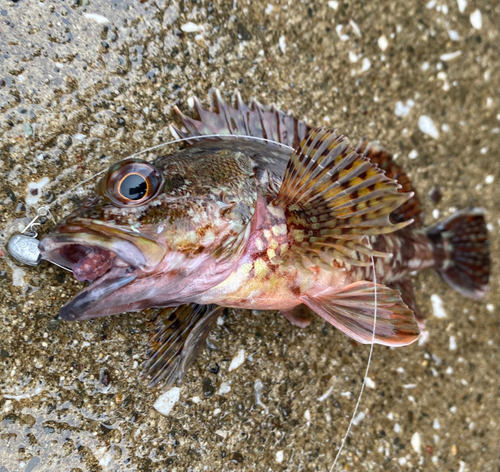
{"points": [[366, 372], [44, 210]]}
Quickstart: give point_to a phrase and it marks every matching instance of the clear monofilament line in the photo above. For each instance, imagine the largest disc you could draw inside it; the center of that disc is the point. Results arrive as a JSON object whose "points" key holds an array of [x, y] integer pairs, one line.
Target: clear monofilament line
{"points": [[45, 209], [366, 372]]}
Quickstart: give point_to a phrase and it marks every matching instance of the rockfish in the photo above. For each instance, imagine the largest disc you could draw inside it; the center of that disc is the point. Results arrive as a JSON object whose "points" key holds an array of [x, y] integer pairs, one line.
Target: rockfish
{"points": [[249, 223]]}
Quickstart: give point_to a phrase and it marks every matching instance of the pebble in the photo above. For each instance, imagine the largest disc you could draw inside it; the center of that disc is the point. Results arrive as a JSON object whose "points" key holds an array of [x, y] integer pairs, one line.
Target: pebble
{"points": [[435, 194], [208, 387]]}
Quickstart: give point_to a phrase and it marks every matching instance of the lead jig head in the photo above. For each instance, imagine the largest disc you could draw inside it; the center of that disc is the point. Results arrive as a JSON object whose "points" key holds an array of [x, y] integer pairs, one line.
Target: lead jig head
{"points": [[25, 249]]}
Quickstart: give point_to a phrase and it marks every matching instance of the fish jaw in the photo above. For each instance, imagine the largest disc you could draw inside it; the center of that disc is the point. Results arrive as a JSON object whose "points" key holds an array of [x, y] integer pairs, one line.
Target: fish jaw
{"points": [[106, 256], [134, 280]]}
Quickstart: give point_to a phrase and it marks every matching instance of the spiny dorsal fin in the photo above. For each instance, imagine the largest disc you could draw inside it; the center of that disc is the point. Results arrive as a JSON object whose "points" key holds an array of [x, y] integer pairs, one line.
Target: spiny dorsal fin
{"points": [[333, 198], [239, 119], [412, 208]]}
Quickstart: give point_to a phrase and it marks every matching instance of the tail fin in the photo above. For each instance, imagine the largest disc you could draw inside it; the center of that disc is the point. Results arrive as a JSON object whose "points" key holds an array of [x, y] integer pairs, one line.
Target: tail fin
{"points": [[461, 250]]}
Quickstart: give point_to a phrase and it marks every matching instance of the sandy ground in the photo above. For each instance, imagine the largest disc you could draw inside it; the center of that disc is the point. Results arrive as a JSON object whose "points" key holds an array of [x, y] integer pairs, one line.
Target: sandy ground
{"points": [[85, 83]]}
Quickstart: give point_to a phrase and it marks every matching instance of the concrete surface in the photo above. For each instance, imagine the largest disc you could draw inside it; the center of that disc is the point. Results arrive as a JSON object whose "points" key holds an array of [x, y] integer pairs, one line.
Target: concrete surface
{"points": [[86, 82]]}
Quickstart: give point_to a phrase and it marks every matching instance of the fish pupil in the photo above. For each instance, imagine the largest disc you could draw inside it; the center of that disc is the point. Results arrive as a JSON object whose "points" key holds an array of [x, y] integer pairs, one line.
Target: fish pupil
{"points": [[133, 187]]}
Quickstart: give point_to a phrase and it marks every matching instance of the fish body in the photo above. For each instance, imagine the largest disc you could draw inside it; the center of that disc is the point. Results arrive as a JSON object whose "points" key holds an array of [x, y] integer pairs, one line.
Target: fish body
{"points": [[295, 227]]}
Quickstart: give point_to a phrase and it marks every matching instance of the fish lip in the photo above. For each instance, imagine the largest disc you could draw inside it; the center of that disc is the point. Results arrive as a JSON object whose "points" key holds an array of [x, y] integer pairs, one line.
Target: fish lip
{"points": [[127, 264], [81, 304], [52, 248]]}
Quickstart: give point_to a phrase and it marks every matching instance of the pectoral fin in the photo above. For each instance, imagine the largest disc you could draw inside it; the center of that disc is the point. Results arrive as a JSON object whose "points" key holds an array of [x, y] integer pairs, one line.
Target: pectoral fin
{"points": [[179, 335], [351, 310], [333, 198]]}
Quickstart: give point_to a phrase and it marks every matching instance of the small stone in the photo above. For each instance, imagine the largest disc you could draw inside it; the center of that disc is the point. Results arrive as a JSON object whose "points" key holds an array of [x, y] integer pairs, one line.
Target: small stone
{"points": [[237, 457], [208, 387], [435, 194], [105, 377], [243, 33]]}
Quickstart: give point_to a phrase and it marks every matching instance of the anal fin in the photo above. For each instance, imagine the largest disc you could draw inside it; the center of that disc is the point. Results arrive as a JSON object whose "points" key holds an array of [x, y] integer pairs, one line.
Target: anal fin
{"points": [[351, 310], [179, 335]]}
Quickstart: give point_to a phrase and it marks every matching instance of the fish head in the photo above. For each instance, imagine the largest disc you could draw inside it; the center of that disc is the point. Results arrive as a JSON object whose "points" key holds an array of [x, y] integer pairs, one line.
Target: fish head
{"points": [[149, 230]]}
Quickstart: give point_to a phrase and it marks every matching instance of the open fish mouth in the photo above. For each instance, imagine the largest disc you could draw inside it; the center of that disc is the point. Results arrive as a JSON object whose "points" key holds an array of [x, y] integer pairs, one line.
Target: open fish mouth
{"points": [[90, 256], [108, 263]]}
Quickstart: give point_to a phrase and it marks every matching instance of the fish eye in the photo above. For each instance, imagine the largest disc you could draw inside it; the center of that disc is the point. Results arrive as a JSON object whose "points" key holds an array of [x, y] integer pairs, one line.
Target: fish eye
{"points": [[133, 187], [131, 182]]}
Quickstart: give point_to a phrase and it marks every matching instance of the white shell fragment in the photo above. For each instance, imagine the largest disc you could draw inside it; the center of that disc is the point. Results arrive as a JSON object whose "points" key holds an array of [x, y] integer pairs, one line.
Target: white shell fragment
{"points": [[369, 382], [102, 20], [416, 443], [403, 110], [382, 43], [237, 360], [476, 19], [437, 306], [166, 402], [224, 388], [34, 191], [427, 126], [190, 27], [282, 44], [450, 56]]}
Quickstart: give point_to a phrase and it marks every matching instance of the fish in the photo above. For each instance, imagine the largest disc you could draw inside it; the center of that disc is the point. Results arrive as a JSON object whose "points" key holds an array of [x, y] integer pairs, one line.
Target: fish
{"points": [[270, 214]]}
